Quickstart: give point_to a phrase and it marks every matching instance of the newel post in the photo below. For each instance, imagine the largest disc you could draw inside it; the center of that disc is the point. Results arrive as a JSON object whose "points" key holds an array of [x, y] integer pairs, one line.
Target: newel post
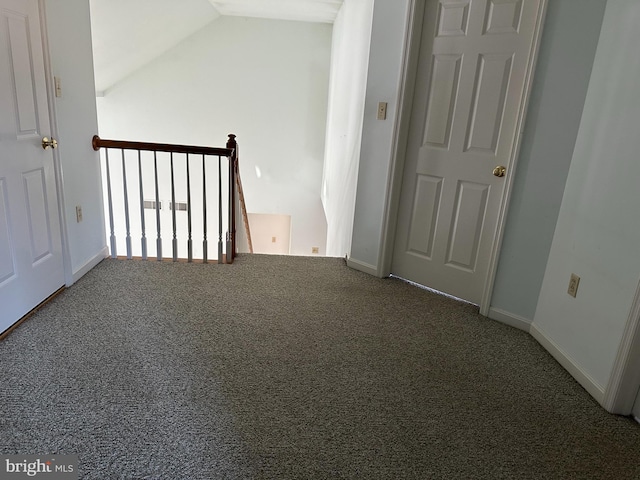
{"points": [[233, 166]]}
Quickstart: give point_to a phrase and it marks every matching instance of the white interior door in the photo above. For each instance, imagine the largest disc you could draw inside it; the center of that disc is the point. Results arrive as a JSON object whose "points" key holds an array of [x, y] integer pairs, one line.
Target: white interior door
{"points": [[472, 72], [31, 266]]}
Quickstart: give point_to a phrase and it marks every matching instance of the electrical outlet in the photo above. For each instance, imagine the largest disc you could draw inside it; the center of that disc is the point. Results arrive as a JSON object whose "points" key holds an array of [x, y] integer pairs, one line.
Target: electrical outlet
{"points": [[315, 250], [273, 239], [78, 213], [573, 285]]}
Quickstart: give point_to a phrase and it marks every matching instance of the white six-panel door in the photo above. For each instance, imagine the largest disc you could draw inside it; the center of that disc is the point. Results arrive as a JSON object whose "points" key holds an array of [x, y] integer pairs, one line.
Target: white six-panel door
{"points": [[472, 69], [31, 265]]}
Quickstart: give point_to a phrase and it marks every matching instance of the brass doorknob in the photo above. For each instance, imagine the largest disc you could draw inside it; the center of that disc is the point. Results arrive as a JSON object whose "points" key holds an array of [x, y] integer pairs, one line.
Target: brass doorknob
{"points": [[499, 171], [46, 143]]}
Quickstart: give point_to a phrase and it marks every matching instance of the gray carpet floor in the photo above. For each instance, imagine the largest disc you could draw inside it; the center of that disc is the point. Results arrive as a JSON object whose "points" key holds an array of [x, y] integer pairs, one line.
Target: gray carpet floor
{"points": [[293, 368]]}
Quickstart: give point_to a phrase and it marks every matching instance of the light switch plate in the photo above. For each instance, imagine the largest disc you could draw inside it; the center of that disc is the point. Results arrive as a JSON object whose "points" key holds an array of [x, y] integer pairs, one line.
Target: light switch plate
{"points": [[573, 285], [382, 111], [58, 86]]}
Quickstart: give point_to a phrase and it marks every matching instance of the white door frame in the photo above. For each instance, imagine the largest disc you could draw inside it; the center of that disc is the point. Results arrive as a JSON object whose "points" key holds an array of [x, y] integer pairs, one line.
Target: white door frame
{"points": [[624, 381], [57, 164], [392, 200]]}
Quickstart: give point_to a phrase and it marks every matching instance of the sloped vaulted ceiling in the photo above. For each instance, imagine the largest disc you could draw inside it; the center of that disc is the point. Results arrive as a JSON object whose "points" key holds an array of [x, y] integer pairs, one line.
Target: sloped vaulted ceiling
{"points": [[128, 34]]}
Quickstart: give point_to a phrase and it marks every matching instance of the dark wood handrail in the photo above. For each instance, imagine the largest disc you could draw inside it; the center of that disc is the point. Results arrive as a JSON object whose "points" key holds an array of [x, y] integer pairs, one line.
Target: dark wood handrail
{"points": [[99, 143]]}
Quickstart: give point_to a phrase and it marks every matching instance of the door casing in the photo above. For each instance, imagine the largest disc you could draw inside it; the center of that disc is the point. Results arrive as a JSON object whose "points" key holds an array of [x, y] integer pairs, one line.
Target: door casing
{"points": [[57, 164]]}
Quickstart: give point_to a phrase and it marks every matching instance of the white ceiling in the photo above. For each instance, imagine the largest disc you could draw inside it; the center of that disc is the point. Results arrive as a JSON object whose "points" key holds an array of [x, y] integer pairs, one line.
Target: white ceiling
{"points": [[323, 11], [128, 34]]}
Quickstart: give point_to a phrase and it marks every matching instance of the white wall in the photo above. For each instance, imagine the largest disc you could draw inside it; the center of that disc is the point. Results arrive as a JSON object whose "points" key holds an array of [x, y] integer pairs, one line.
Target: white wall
{"points": [[385, 75], [347, 87], [69, 36], [598, 231], [264, 80], [559, 89], [270, 234]]}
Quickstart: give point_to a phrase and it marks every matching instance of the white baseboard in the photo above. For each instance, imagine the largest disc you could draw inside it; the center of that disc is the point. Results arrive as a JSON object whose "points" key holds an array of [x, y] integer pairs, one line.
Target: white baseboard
{"points": [[510, 319], [363, 267], [92, 262], [569, 364]]}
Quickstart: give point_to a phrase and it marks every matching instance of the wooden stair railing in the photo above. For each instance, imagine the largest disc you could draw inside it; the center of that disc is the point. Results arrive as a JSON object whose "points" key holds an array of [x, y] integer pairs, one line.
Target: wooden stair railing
{"points": [[234, 194], [243, 213], [242, 207]]}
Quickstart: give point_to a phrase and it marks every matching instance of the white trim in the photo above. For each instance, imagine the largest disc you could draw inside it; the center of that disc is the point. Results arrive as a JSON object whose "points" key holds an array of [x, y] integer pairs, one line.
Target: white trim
{"points": [[400, 132], [485, 300], [624, 380], [569, 364], [92, 262], [363, 267], [510, 319], [57, 164]]}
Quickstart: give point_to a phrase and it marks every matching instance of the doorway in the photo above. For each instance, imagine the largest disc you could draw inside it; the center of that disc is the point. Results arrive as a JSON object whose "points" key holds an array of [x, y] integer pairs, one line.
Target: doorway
{"points": [[474, 68]]}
